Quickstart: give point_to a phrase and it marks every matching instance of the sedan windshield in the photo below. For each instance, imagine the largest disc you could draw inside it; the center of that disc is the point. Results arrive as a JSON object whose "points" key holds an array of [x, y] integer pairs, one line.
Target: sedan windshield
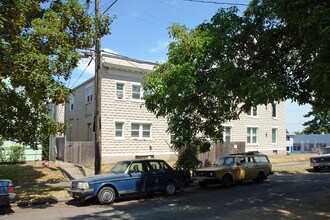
{"points": [[229, 161], [120, 167], [326, 151]]}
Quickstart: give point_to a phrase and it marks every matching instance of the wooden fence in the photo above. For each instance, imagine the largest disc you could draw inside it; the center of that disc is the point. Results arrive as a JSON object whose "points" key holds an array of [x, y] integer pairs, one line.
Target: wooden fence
{"points": [[81, 153], [220, 150]]}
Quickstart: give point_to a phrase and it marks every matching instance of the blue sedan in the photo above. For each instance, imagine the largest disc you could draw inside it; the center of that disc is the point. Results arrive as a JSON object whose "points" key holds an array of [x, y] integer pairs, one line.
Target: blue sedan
{"points": [[131, 177]]}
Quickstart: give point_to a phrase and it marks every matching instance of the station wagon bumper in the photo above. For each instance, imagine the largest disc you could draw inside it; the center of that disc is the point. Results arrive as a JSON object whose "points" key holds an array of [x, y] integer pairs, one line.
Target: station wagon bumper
{"points": [[207, 179], [81, 194]]}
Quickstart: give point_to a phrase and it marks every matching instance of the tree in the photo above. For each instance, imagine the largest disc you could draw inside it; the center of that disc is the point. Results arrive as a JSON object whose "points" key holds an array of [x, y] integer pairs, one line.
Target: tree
{"points": [[39, 47], [320, 124], [223, 67]]}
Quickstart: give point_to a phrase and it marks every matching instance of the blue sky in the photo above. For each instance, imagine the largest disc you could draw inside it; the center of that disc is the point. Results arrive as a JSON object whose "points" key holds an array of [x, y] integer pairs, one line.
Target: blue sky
{"points": [[141, 31]]}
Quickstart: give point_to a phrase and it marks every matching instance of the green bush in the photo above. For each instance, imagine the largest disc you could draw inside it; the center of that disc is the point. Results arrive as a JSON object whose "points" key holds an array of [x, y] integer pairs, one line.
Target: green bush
{"points": [[16, 154]]}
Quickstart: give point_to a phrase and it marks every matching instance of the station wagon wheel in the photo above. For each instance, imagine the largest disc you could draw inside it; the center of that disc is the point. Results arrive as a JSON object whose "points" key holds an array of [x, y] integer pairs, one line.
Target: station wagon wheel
{"points": [[260, 178], [226, 181], [170, 188], [106, 195]]}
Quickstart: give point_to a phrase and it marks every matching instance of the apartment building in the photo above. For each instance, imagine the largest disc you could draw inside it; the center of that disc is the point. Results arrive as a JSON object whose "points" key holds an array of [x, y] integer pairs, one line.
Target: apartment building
{"points": [[128, 130]]}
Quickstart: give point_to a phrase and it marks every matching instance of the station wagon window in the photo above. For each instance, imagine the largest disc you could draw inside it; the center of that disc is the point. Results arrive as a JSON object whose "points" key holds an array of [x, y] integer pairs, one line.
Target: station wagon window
{"points": [[261, 159], [136, 167], [252, 135]]}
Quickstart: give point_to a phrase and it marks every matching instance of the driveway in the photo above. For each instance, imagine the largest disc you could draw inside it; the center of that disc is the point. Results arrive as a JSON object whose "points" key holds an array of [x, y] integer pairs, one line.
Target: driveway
{"points": [[299, 196]]}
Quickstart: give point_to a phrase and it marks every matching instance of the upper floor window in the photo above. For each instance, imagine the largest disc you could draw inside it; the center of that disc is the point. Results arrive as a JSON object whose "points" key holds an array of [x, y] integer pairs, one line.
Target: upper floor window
{"points": [[120, 90], [227, 134], [253, 111], [274, 110], [89, 93], [274, 135], [71, 103], [140, 130], [136, 91], [119, 129], [252, 135]]}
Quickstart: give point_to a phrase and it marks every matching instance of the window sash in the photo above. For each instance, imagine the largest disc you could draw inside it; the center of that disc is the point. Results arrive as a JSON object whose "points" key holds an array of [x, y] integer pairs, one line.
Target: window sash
{"points": [[253, 111], [274, 135], [274, 110], [252, 135], [140, 130], [227, 134], [119, 129], [89, 94], [136, 92]]}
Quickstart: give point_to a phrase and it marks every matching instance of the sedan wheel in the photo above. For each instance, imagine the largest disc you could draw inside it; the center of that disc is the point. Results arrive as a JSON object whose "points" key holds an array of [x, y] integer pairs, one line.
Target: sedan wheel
{"points": [[170, 188], [106, 195]]}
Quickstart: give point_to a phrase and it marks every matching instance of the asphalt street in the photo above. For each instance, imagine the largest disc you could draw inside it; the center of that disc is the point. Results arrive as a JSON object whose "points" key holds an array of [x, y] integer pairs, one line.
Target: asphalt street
{"points": [[299, 196]]}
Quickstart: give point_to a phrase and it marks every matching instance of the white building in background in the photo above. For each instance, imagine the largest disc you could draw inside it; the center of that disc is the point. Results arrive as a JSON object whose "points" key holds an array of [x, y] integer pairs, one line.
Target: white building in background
{"points": [[128, 130]]}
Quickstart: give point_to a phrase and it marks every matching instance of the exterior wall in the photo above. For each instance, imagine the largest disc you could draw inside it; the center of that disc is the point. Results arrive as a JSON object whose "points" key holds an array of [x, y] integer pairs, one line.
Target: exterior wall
{"points": [[81, 115], [126, 111], [264, 122]]}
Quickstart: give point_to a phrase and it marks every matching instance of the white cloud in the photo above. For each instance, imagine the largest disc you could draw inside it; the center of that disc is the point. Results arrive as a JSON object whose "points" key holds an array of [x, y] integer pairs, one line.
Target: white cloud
{"points": [[161, 45]]}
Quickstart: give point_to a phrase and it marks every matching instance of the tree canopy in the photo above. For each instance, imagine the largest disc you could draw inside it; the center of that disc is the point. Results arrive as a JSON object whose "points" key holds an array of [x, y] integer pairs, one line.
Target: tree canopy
{"points": [[276, 50], [38, 51], [319, 124]]}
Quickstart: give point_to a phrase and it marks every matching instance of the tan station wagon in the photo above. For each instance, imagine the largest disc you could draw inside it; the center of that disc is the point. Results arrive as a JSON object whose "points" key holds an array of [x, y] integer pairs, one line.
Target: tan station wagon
{"points": [[235, 168]]}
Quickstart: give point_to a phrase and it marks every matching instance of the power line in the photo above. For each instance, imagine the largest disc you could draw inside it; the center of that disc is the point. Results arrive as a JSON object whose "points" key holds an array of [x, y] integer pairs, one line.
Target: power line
{"points": [[218, 3], [82, 72], [110, 6]]}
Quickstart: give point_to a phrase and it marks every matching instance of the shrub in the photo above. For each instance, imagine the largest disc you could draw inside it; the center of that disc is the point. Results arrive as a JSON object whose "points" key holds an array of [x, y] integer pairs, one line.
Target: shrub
{"points": [[2, 155], [16, 154]]}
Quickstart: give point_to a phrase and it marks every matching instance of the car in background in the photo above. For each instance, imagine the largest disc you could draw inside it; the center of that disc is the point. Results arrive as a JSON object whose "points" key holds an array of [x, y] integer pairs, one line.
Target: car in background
{"points": [[321, 161], [128, 178], [7, 194], [234, 168]]}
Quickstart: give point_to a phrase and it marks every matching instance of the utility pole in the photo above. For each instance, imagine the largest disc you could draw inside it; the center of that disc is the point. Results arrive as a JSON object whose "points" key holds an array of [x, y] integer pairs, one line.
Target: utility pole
{"points": [[97, 89]]}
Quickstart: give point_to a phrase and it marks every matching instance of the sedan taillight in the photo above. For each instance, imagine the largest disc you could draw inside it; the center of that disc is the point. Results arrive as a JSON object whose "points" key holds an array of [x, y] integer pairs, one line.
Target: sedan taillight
{"points": [[10, 189]]}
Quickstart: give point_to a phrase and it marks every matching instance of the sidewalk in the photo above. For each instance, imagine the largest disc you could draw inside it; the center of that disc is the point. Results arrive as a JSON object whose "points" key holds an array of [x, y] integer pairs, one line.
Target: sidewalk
{"points": [[72, 171]]}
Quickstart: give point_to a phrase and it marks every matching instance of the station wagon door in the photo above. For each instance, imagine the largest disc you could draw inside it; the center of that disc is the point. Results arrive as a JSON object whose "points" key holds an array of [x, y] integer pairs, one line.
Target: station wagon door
{"points": [[135, 181]]}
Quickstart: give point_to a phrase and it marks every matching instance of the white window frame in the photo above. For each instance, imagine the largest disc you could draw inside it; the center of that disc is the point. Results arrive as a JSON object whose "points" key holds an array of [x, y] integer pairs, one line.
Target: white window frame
{"points": [[120, 95], [122, 130], [89, 93], [274, 109], [251, 112], [276, 135], [141, 130], [140, 92], [71, 103], [225, 133], [251, 135]]}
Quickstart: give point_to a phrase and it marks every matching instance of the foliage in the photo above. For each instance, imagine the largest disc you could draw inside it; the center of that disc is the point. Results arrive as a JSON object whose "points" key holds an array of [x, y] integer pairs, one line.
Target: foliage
{"points": [[2, 155], [320, 124], [276, 50], [15, 154], [39, 43]]}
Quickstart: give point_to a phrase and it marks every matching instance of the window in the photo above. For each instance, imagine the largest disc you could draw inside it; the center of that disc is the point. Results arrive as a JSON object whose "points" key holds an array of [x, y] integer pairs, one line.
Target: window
{"points": [[71, 103], [274, 110], [274, 135], [253, 111], [227, 134], [172, 138], [140, 130], [136, 91], [89, 94], [119, 129], [252, 135], [120, 90], [89, 132]]}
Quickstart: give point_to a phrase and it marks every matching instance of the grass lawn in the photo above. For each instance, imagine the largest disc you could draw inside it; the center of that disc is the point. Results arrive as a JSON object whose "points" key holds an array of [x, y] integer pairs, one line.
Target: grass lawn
{"points": [[30, 181]]}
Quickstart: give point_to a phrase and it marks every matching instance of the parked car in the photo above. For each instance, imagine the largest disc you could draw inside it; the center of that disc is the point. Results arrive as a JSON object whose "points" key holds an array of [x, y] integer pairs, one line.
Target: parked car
{"points": [[131, 177], [321, 161], [235, 168], [7, 195]]}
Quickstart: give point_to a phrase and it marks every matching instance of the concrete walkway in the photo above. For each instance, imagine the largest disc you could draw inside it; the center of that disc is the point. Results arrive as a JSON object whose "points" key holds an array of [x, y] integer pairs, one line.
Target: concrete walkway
{"points": [[72, 171]]}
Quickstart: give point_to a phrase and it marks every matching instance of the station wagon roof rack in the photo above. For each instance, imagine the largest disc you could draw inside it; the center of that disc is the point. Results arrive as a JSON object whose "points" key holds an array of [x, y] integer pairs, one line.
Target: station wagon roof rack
{"points": [[248, 153]]}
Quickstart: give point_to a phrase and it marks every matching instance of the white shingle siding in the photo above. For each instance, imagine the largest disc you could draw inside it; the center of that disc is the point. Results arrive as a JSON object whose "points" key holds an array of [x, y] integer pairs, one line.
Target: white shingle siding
{"points": [[126, 110]]}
